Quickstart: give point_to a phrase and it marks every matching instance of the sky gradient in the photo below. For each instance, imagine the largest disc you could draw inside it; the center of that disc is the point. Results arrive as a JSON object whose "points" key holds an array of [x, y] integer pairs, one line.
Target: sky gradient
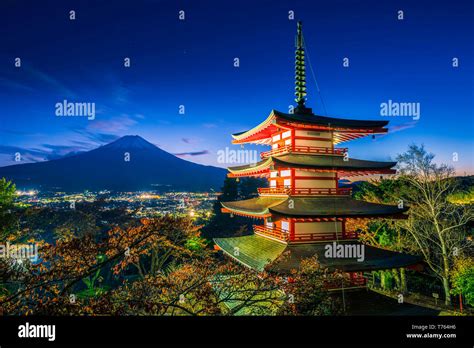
{"points": [[191, 63]]}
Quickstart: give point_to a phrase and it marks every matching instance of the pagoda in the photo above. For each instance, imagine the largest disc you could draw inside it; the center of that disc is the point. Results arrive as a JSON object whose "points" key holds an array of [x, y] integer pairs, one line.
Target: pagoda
{"points": [[304, 209]]}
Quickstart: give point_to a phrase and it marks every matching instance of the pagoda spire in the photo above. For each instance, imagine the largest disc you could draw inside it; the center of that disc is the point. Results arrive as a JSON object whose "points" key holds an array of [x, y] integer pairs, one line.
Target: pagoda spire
{"points": [[300, 72]]}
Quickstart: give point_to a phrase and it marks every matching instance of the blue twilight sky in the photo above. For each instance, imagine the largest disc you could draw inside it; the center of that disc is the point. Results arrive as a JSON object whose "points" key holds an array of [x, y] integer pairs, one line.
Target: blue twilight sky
{"points": [[190, 63]]}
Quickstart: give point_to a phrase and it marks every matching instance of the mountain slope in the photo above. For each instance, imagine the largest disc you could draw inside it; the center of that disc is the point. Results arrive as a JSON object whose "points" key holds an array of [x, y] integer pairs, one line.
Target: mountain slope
{"points": [[107, 167]]}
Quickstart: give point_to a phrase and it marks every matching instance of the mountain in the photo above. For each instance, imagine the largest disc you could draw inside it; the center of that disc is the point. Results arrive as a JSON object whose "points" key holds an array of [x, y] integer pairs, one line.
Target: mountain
{"points": [[148, 168]]}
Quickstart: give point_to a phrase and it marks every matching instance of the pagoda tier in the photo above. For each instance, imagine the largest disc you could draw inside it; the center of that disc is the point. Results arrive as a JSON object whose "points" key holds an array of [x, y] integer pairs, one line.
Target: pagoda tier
{"points": [[300, 167], [315, 207], [260, 253], [341, 130], [292, 220]]}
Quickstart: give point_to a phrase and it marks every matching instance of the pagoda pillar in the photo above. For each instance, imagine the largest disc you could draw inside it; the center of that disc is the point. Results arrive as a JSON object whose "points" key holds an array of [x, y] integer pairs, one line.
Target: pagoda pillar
{"points": [[292, 229]]}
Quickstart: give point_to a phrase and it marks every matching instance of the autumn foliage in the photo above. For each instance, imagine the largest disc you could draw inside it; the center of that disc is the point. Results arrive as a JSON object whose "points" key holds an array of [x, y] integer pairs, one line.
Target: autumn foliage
{"points": [[157, 267]]}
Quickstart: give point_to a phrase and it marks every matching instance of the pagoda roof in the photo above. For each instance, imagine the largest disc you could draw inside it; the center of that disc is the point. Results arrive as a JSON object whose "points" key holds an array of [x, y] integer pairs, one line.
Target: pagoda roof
{"points": [[253, 251], [323, 206], [260, 253], [261, 134], [326, 162], [311, 118], [255, 206]]}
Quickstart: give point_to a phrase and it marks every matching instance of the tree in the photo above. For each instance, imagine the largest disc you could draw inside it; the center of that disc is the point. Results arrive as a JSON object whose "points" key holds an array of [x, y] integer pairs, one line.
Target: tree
{"points": [[43, 287], [178, 275], [462, 276], [228, 225], [7, 193], [8, 221], [64, 267], [385, 233], [306, 290], [248, 187], [437, 226], [155, 243], [201, 286], [207, 286], [230, 190]]}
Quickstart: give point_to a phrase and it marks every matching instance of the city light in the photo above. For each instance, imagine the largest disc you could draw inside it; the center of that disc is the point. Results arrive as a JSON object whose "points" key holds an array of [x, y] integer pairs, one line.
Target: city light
{"points": [[26, 193]]}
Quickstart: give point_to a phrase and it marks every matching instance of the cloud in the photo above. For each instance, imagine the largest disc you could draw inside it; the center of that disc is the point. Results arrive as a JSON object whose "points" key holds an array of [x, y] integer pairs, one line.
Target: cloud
{"points": [[54, 156], [81, 143], [15, 85], [51, 81], [35, 80], [58, 147], [113, 125], [12, 150], [97, 137], [197, 153], [103, 131], [60, 151], [47, 152], [403, 126], [22, 133]]}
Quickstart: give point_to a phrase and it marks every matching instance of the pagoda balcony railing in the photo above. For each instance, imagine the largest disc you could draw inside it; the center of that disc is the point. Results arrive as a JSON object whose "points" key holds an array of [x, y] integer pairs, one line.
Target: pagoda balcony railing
{"points": [[274, 232], [275, 190], [318, 236], [284, 235], [303, 150], [340, 191], [302, 191]]}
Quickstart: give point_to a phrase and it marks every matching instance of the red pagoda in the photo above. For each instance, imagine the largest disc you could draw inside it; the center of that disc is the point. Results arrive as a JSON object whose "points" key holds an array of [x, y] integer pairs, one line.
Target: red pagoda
{"points": [[303, 209]]}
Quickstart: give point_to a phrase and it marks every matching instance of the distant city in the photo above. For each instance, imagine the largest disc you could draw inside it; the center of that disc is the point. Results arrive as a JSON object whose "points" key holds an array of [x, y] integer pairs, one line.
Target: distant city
{"points": [[143, 204]]}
